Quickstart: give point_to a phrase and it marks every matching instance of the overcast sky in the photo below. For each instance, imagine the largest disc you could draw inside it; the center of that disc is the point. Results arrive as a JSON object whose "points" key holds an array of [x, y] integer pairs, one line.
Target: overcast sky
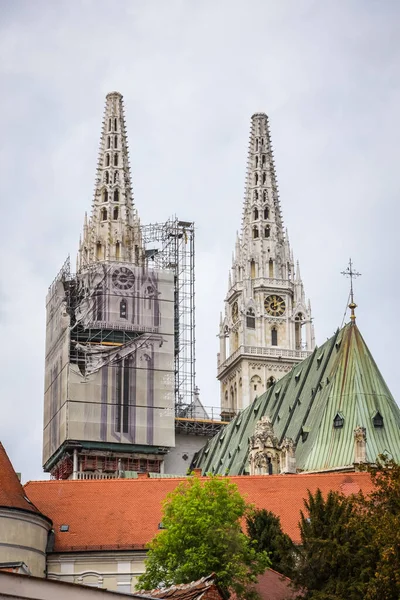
{"points": [[192, 73]]}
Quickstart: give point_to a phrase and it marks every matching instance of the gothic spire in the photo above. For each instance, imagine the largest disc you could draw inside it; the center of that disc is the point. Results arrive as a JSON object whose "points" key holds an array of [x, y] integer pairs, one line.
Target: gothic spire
{"points": [[113, 232]]}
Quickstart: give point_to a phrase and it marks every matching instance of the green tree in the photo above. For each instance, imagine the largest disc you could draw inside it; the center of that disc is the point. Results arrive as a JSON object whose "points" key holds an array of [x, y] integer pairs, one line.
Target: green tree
{"points": [[380, 513], [265, 529], [202, 535], [336, 559]]}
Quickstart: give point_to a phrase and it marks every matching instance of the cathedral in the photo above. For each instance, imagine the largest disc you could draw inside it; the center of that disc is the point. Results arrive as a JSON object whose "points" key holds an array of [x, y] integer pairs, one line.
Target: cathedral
{"points": [[120, 397]]}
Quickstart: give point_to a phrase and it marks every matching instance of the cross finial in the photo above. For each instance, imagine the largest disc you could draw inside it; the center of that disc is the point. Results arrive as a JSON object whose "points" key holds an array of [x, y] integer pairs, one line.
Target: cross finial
{"points": [[349, 272]]}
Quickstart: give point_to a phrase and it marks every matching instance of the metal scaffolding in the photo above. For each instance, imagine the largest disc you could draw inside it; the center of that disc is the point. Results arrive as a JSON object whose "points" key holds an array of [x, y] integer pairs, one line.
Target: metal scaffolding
{"points": [[170, 245]]}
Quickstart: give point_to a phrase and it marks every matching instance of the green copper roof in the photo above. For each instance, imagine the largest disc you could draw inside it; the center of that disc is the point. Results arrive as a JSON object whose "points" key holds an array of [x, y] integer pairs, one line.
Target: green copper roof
{"points": [[339, 379]]}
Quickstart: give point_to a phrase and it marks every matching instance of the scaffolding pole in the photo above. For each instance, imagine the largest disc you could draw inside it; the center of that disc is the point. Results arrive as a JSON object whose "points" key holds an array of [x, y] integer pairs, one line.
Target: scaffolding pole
{"points": [[171, 246]]}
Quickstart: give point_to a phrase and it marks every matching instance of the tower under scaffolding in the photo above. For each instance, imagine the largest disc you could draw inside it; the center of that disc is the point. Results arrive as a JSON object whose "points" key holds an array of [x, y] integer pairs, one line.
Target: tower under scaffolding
{"points": [[171, 246]]}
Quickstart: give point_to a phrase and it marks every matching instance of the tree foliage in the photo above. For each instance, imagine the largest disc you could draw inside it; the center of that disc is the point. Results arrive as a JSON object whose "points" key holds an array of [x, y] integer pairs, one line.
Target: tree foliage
{"points": [[351, 545], [202, 535], [265, 529]]}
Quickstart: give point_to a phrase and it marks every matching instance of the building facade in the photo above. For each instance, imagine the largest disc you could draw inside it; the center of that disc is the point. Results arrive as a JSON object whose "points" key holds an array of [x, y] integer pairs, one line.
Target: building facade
{"points": [[266, 327]]}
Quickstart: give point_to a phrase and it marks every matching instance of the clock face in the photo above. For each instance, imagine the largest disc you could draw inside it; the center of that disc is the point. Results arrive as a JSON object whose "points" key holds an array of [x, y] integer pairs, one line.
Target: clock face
{"points": [[275, 305], [235, 312], [123, 278]]}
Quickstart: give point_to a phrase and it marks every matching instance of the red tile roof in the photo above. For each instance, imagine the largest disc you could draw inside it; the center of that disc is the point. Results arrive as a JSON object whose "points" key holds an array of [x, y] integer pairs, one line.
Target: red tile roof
{"points": [[125, 513], [12, 494]]}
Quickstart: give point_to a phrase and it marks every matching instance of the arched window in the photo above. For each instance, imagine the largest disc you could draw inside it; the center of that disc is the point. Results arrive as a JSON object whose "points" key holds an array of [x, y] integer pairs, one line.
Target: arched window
{"points": [[116, 195], [256, 162], [108, 141], [266, 212], [271, 268], [115, 160], [297, 331], [264, 179], [115, 124], [226, 397], [270, 382], [262, 141], [99, 251], [256, 178], [109, 124], [252, 269], [255, 213], [267, 231], [115, 213], [265, 196], [104, 214], [107, 160], [274, 336], [255, 195], [107, 177], [256, 144], [123, 309], [105, 196], [117, 250], [263, 159], [255, 233], [251, 319], [115, 142], [116, 176]]}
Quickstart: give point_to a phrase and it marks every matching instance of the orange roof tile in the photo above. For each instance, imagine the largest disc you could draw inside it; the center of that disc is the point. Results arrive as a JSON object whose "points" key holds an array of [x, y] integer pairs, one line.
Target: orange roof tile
{"points": [[12, 493], [125, 513]]}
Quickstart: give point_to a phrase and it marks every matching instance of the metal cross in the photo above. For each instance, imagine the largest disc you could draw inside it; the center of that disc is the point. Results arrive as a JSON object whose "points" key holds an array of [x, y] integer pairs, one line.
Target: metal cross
{"points": [[349, 272]]}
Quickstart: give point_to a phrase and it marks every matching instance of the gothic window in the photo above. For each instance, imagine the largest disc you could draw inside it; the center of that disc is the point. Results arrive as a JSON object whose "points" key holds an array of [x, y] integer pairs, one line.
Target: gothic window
{"points": [[256, 144], [105, 196], [252, 269], [378, 420], [266, 212], [255, 194], [265, 196], [262, 141], [270, 382], [251, 319], [263, 159], [255, 213], [115, 213], [226, 398], [116, 196], [115, 124], [149, 296], [136, 255], [267, 231], [256, 162], [107, 177], [108, 141], [297, 331], [115, 142], [109, 124], [123, 309], [264, 179], [274, 336], [256, 178], [117, 250], [271, 268], [99, 251], [115, 160], [107, 160], [116, 176], [255, 233], [104, 214], [338, 421]]}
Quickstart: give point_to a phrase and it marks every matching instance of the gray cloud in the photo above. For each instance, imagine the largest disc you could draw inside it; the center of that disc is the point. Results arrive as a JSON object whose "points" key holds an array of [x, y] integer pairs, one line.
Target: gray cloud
{"points": [[192, 73]]}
